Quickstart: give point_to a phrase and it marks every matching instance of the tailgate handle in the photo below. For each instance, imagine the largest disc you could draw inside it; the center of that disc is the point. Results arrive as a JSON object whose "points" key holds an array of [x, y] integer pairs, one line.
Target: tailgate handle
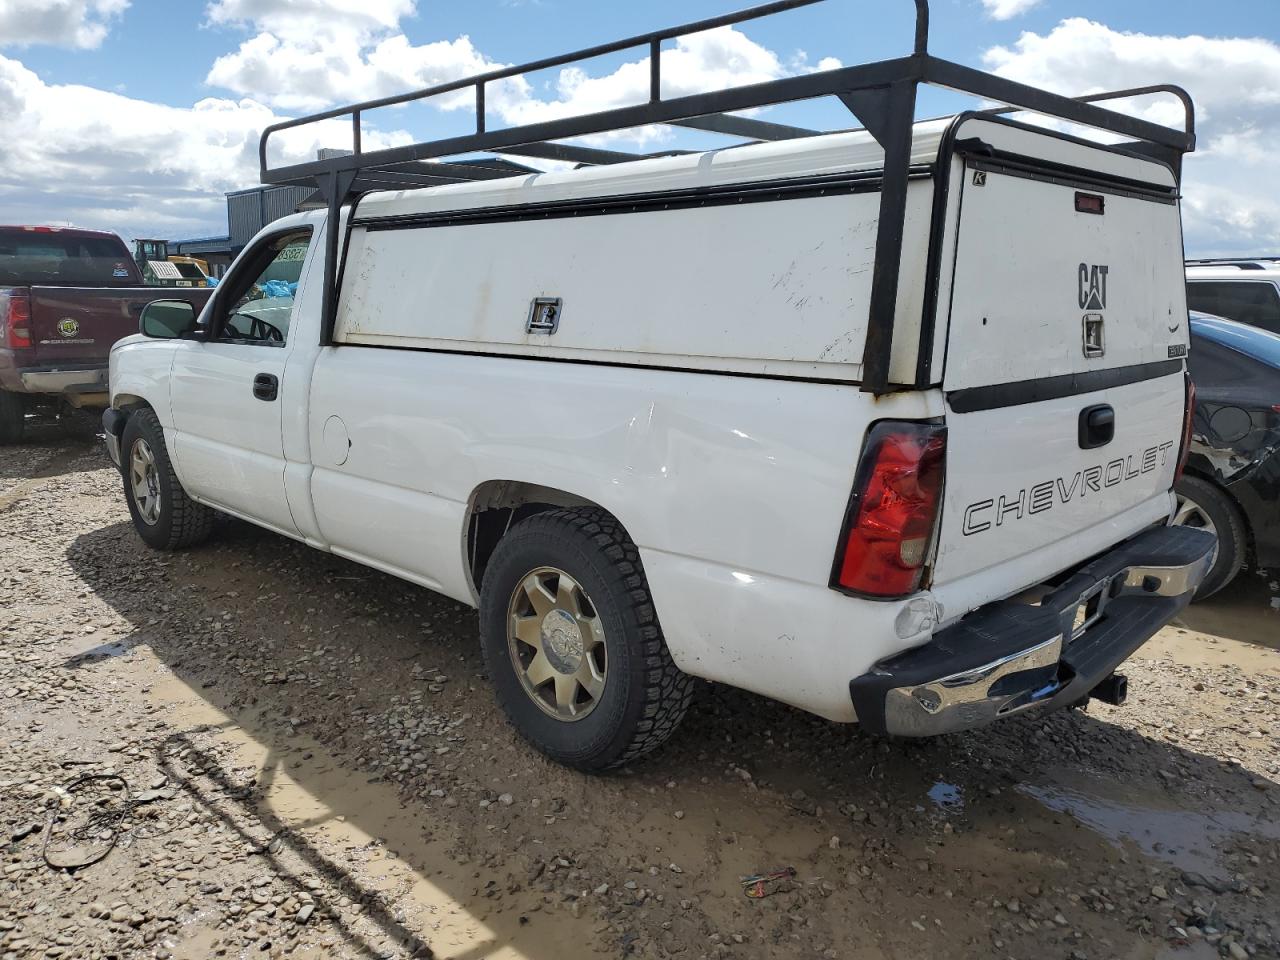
{"points": [[266, 386], [1097, 426]]}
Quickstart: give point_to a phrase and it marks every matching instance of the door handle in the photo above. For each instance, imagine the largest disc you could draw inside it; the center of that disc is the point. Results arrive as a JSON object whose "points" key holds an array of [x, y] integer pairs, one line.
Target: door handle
{"points": [[1097, 426], [266, 386]]}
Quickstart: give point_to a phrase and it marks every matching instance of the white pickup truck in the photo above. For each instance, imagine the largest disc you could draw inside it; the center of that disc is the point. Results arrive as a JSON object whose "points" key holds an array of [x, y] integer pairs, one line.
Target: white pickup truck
{"points": [[661, 418]]}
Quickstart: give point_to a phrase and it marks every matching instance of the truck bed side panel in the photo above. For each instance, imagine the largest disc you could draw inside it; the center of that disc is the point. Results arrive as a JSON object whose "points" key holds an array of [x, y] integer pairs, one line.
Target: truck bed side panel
{"points": [[733, 487]]}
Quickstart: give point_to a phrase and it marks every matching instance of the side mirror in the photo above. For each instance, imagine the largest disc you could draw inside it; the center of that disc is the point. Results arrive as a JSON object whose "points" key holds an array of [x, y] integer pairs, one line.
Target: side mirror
{"points": [[167, 319]]}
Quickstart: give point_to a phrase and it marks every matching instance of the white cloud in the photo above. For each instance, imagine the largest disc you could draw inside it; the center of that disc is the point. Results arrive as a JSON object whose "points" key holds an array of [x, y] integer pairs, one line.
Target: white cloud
{"points": [[1235, 83], [311, 54], [98, 159], [65, 23], [1008, 9], [306, 73], [310, 16], [705, 61]]}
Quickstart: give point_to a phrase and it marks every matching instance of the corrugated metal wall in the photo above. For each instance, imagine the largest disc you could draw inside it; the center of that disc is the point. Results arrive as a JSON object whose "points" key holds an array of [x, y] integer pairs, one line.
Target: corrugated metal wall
{"points": [[250, 211]]}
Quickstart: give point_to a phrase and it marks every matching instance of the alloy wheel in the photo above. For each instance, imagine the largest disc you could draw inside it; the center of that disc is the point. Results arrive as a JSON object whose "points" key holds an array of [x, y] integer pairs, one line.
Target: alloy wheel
{"points": [[1188, 513], [556, 642], [144, 480]]}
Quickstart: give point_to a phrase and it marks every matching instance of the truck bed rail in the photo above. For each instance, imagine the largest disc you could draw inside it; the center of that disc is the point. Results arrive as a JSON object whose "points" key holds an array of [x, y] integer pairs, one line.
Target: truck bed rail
{"points": [[881, 95]]}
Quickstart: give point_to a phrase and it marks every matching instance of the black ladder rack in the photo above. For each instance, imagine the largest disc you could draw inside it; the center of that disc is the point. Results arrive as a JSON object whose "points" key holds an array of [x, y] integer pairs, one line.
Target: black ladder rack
{"points": [[881, 95]]}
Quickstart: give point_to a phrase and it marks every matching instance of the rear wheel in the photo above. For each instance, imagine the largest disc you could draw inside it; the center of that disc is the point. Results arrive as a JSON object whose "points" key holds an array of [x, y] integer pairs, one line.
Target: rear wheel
{"points": [[13, 417], [1201, 504], [164, 516], [573, 644]]}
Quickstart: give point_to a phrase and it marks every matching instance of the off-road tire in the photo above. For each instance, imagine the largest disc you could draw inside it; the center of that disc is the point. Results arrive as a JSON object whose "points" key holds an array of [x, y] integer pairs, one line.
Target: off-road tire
{"points": [[1232, 539], [645, 694], [13, 418], [182, 521]]}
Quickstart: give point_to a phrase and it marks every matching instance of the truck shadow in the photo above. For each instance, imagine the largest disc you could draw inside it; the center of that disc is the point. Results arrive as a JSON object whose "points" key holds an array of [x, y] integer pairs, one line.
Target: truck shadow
{"points": [[747, 784], [206, 781]]}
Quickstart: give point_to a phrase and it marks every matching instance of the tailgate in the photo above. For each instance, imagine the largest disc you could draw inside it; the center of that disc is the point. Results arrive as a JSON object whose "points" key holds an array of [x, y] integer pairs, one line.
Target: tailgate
{"points": [[1067, 312], [78, 325]]}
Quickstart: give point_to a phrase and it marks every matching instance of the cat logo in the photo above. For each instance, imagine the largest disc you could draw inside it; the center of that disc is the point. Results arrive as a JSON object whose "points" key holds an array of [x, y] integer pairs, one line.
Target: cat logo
{"points": [[68, 327], [1092, 282]]}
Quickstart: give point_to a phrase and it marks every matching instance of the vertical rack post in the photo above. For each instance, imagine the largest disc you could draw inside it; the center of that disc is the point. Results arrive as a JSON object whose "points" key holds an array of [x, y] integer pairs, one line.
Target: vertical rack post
{"points": [[894, 135], [655, 70], [334, 185]]}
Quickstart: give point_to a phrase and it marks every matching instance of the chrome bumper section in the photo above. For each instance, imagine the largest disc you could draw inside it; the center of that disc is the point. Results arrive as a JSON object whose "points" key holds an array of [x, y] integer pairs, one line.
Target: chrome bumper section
{"points": [[1009, 657]]}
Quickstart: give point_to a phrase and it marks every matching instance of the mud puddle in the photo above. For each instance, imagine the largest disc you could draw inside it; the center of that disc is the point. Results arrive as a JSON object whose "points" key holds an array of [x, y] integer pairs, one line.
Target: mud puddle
{"points": [[1247, 610], [1189, 840]]}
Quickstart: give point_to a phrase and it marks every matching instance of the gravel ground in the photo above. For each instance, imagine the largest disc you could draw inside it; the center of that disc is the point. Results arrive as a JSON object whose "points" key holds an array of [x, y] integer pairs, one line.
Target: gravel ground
{"points": [[289, 754]]}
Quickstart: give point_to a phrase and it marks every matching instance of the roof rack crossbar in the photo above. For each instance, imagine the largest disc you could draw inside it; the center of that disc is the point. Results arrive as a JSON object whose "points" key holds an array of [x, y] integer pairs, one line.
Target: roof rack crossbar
{"points": [[570, 153], [453, 172], [881, 94], [745, 127]]}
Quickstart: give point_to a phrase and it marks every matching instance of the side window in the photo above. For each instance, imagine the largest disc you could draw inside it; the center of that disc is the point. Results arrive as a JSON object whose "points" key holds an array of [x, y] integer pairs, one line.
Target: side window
{"points": [[1255, 302], [259, 297]]}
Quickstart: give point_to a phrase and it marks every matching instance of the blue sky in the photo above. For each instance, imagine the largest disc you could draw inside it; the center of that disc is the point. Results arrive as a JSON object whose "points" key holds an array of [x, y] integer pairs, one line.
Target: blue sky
{"points": [[141, 112], [140, 55]]}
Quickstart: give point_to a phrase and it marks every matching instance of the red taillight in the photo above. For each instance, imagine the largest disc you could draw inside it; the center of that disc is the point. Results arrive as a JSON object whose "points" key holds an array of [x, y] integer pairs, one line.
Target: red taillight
{"points": [[893, 510], [1188, 414], [15, 319]]}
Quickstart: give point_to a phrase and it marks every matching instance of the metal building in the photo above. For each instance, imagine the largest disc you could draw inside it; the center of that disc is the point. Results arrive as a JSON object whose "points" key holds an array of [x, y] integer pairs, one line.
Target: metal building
{"points": [[248, 211]]}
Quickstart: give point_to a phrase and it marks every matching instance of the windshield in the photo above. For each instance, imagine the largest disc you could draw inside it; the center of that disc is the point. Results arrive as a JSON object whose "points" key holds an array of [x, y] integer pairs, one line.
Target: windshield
{"points": [[28, 257], [1252, 342]]}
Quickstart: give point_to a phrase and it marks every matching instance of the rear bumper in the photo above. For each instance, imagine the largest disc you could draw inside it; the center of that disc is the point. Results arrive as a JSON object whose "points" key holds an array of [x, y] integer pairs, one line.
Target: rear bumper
{"points": [[70, 380], [65, 381], [1009, 657]]}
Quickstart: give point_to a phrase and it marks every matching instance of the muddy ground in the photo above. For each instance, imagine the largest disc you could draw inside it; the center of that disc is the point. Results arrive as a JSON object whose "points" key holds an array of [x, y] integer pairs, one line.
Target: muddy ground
{"points": [[293, 755]]}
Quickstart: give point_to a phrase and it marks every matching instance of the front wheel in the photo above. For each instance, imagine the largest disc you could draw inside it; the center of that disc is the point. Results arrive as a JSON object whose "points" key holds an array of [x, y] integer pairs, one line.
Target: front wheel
{"points": [[573, 644], [164, 516], [1201, 504]]}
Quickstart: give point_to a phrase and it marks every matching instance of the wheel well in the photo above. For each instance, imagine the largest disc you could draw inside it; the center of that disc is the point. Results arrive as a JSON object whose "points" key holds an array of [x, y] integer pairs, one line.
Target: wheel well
{"points": [[496, 506], [130, 402]]}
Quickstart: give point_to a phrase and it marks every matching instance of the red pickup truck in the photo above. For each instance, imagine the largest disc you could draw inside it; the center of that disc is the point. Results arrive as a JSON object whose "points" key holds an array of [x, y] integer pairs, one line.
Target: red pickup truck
{"points": [[65, 297]]}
